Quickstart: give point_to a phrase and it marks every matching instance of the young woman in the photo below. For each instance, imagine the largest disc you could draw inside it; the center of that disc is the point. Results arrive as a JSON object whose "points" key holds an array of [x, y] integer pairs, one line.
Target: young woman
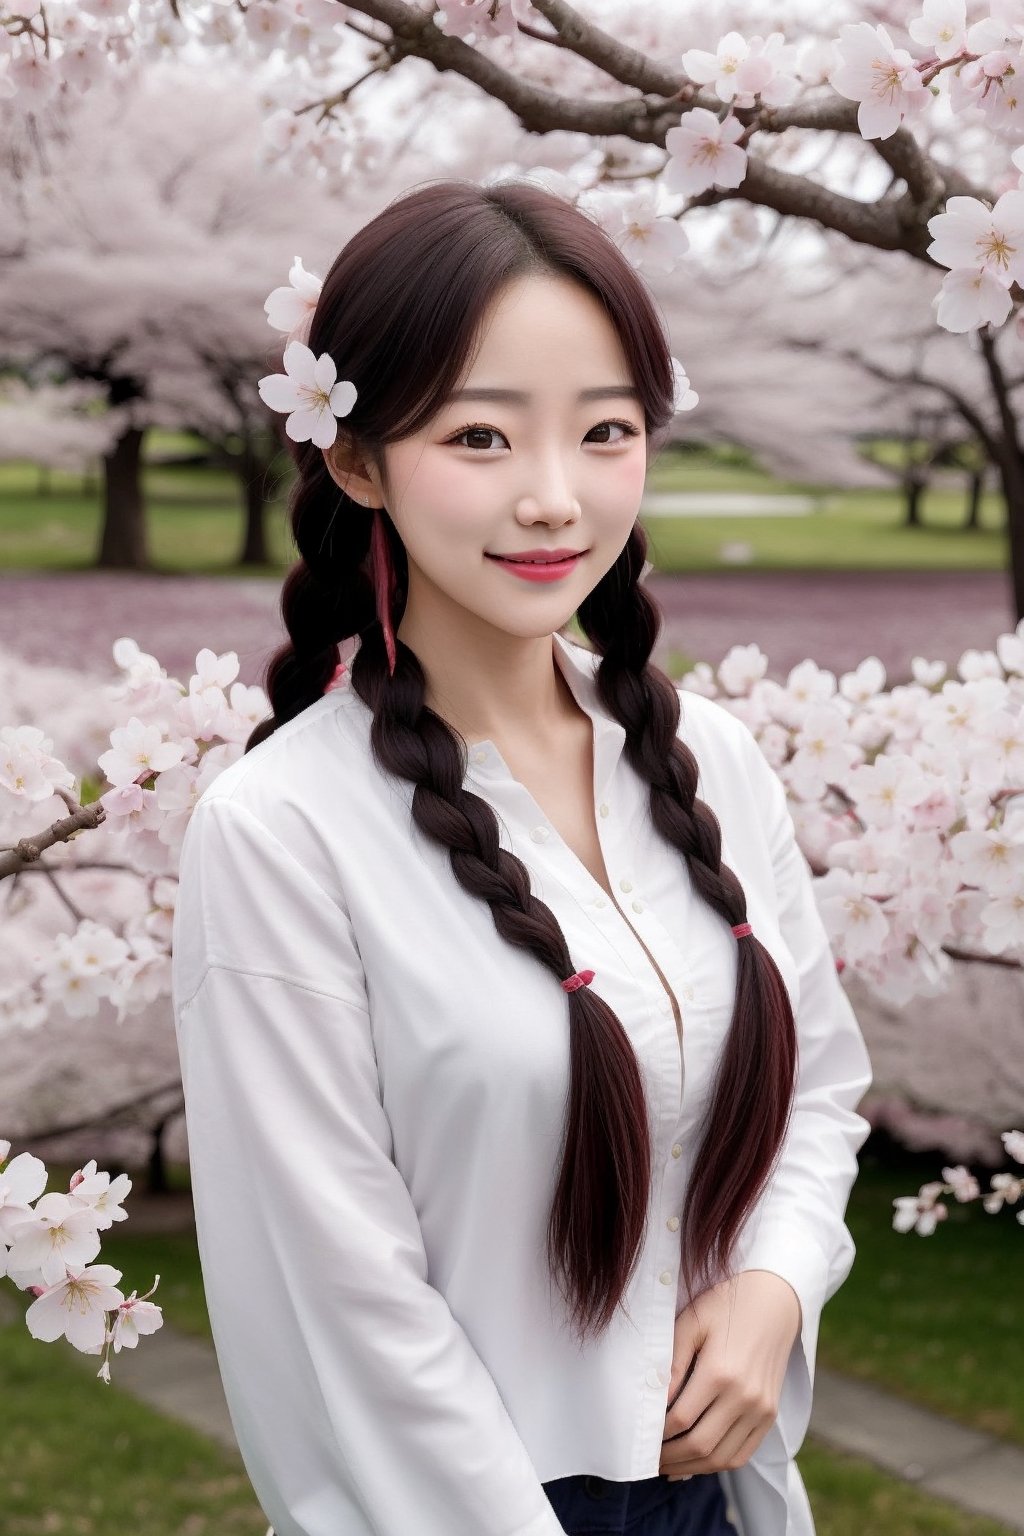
{"points": [[520, 1086]]}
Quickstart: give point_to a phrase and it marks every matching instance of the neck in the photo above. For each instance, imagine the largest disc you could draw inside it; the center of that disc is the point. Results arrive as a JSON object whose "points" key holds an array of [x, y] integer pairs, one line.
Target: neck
{"points": [[499, 688]]}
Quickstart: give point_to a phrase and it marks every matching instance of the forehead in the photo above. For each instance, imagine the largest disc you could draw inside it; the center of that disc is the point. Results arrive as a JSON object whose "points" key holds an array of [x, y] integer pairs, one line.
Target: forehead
{"points": [[549, 334]]}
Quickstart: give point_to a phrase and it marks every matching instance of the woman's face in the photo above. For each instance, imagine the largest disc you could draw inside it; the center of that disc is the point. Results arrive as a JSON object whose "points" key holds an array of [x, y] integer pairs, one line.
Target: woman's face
{"points": [[501, 477]]}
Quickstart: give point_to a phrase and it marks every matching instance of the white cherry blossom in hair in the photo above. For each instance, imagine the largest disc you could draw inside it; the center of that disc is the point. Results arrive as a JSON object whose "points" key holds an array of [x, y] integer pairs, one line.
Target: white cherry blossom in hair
{"points": [[685, 398], [310, 392], [290, 308]]}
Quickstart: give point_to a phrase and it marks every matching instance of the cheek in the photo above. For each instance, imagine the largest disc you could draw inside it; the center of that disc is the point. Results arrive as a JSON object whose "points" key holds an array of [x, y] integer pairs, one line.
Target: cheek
{"points": [[441, 510], [617, 485]]}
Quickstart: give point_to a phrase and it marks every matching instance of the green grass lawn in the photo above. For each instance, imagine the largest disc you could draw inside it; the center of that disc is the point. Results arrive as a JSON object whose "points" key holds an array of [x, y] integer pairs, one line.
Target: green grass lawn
{"points": [[80, 1458], [195, 522], [934, 1319]]}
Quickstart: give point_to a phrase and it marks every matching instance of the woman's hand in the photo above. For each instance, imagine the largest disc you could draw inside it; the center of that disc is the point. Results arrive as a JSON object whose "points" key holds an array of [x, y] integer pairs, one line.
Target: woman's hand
{"points": [[732, 1345]]}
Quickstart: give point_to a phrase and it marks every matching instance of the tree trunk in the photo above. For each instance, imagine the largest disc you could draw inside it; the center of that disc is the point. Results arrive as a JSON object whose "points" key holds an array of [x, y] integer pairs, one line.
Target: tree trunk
{"points": [[252, 472], [123, 539], [1011, 477], [975, 487], [156, 1167], [913, 489], [1011, 471]]}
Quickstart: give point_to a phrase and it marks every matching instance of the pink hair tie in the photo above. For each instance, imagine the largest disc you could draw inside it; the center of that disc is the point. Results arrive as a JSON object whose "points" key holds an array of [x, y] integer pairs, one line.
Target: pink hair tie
{"points": [[741, 929], [576, 980]]}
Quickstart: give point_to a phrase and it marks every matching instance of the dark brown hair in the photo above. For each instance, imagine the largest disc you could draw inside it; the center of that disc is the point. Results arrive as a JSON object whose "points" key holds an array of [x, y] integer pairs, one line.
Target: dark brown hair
{"points": [[401, 311]]}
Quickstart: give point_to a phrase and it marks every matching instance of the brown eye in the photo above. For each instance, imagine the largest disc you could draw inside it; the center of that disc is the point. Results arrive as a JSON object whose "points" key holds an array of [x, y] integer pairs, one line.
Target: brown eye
{"points": [[477, 432], [627, 427]]}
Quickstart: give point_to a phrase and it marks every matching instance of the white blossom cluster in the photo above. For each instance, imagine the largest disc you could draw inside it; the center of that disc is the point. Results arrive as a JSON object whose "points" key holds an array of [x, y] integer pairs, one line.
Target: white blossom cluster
{"points": [[47, 1246], [908, 803]]}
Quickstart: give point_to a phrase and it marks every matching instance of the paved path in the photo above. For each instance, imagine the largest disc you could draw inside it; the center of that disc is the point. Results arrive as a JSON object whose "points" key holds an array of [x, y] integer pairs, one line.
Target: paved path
{"points": [[837, 617], [178, 1375], [724, 504]]}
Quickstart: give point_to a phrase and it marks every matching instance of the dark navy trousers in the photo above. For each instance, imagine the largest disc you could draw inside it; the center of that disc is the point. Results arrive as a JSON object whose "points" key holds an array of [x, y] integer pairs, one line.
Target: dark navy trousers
{"points": [[651, 1506]]}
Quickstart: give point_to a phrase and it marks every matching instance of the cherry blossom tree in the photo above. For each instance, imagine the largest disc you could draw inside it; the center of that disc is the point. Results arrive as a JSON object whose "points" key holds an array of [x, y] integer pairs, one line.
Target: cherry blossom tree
{"points": [[968, 384], [55, 425], [897, 133], [140, 240]]}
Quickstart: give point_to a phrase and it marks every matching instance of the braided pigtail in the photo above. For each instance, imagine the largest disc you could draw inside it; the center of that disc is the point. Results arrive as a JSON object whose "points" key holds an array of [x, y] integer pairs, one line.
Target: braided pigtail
{"points": [[754, 1089], [327, 595]]}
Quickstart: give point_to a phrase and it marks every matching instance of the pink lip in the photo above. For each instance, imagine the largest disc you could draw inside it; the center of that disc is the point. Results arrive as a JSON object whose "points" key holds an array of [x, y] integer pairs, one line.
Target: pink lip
{"points": [[550, 570], [541, 554]]}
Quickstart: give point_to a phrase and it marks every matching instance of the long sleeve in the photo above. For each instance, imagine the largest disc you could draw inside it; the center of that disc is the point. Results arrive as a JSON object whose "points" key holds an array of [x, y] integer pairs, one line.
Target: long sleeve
{"points": [[360, 1406], [799, 1229]]}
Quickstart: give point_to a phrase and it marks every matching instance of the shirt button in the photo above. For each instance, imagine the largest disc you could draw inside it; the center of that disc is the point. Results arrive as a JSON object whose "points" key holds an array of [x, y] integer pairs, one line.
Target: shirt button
{"points": [[654, 1378], [540, 834], [677, 1150], [638, 906], [666, 1277], [600, 901], [688, 994], [480, 756], [604, 810], [673, 1223], [665, 1005], [625, 885]]}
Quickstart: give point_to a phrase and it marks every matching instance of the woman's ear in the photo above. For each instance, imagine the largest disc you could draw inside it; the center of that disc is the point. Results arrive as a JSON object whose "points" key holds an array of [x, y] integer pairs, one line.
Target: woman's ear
{"points": [[349, 471]]}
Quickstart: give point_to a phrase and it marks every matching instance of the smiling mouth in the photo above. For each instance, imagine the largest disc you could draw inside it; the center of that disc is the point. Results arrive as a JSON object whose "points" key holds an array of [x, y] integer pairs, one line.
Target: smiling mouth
{"points": [[535, 560]]}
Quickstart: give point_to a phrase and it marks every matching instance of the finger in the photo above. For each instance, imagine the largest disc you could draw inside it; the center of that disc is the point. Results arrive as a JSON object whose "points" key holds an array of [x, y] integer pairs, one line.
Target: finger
{"points": [[734, 1448], [674, 1395], [695, 1398], [684, 1359], [700, 1444]]}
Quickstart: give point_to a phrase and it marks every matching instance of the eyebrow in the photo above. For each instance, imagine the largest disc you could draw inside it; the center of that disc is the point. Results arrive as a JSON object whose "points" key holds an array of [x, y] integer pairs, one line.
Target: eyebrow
{"points": [[519, 397]]}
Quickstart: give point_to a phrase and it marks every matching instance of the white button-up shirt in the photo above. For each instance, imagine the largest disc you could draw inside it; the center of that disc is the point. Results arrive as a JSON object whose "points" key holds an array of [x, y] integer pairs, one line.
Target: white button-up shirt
{"points": [[375, 1089]]}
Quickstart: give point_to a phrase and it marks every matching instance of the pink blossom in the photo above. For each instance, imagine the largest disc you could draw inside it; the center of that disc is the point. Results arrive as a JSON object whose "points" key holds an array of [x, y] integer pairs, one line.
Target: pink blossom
{"points": [[290, 308], [134, 1317], [137, 750], [58, 1235], [21, 1181], [884, 79], [102, 1196], [739, 70], [652, 241], [684, 398], [76, 1307], [703, 153], [942, 27], [967, 234], [969, 298], [307, 390], [28, 771]]}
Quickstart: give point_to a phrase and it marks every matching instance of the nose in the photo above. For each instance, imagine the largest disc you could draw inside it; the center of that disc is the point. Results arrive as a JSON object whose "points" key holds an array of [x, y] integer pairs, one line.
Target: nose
{"points": [[552, 501]]}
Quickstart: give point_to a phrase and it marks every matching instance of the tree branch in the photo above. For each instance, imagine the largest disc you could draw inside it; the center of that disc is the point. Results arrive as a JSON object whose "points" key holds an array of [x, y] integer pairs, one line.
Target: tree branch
{"points": [[888, 376], [105, 1115], [25, 852], [899, 224]]}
